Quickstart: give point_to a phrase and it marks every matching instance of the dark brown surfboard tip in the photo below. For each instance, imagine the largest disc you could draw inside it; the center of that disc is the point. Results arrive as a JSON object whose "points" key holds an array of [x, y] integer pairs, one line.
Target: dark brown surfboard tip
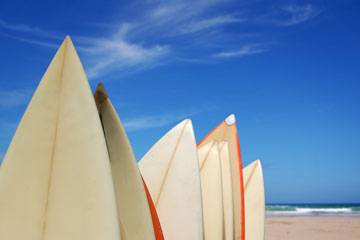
{"points": [[100, 95]]}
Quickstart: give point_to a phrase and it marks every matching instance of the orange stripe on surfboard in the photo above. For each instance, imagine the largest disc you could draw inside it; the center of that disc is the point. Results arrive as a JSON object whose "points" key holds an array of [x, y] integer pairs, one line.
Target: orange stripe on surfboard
{"points": [[241, 186], [155, 219]]}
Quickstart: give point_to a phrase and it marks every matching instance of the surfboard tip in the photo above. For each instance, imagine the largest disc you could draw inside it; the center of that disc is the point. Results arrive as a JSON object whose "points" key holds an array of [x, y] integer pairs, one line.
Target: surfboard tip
{"points": [[230, 120], [67, 39], [258, 162], [100, 95]]}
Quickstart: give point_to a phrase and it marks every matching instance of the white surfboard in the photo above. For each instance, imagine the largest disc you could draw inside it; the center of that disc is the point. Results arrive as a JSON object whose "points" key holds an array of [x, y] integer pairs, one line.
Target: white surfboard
{"points": [[255, 201], [227, 191], [55, 180], [212, 195], [132, 203], [227, 131], [171, 172]]}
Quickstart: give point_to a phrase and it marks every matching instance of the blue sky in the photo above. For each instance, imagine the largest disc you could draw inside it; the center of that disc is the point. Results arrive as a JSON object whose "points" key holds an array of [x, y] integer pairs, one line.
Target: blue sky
{"points": [[289, 70]]}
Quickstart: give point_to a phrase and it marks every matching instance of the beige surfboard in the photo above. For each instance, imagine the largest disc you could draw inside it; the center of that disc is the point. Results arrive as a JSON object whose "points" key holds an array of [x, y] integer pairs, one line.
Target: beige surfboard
{"points": [[132, 203], [55, 180], [255, 201], [227, 190], [227, 131], [171, 172], [212, 195]]}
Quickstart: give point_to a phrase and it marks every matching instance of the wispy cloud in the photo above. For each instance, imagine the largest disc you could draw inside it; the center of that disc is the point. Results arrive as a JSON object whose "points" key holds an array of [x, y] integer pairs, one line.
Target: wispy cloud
{"points": [[154, 121], [146, 122], [244, 51], [113, 54], [14, 97], [299, 14], [293, 14], [208, 23], [181, 10], [168, 31]]}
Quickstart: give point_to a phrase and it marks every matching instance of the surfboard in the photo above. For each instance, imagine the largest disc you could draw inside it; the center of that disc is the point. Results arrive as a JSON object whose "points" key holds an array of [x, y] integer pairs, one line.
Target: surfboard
{"points": [[227, 131], [55, 180], [227, 190], [255, 201], [132, 202], [211, 187], [171, 171]]}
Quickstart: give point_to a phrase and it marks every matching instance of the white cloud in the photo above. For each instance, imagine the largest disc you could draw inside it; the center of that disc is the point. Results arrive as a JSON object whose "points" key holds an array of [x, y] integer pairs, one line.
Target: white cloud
{"points": [[145, 122], [181, 10], [245, 50], [115, 54], [174, 18], [299, 13], [154, 121], [208, 23], [166, 10], [286, 15], [14, 97], [296, 14]]}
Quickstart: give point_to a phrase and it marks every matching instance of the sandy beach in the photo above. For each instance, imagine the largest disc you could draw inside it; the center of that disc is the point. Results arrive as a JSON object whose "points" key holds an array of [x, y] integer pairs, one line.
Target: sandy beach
{"points": [[312, 228]]}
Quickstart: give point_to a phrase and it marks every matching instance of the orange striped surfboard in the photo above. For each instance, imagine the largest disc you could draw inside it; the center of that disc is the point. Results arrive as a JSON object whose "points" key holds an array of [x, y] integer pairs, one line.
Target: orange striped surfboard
{"points": [[227, 131]]}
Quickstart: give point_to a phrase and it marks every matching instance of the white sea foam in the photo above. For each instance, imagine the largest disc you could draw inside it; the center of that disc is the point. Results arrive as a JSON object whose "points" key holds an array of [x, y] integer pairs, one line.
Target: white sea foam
{"points": [[323, 210]]}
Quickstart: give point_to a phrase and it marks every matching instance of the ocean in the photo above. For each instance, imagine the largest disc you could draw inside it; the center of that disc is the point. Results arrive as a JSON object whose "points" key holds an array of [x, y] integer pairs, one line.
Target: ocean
{"points": [[313, 210]]}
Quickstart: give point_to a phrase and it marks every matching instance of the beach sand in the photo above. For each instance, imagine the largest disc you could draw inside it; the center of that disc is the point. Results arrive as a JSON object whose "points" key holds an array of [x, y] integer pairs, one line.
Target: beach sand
{"points": [[312, 228]]}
